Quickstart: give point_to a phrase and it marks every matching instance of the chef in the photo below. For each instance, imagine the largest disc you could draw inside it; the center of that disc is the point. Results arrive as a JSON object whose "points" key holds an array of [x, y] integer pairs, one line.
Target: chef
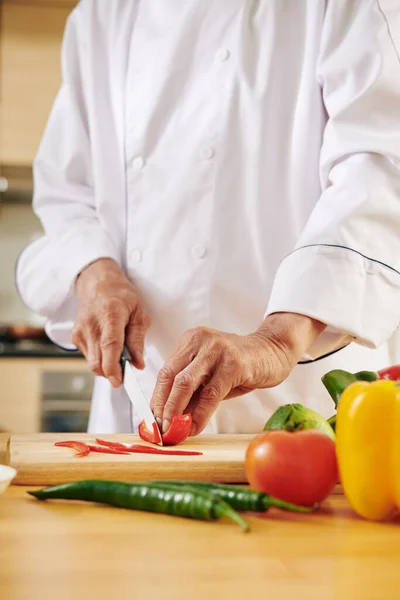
{"points": [[219, 187]]}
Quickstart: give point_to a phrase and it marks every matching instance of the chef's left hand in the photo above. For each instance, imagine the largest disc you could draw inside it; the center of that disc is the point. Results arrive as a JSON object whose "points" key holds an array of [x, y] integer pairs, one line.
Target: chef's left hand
{"points": [[209, 366]]}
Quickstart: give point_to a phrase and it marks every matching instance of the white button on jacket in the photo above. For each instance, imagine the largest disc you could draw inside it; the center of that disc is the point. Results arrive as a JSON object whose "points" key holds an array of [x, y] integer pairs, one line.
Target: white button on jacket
{"points": [[136, 256], [199, 251], [206, 153], [138, 163], [298, 210], [223, 54]]}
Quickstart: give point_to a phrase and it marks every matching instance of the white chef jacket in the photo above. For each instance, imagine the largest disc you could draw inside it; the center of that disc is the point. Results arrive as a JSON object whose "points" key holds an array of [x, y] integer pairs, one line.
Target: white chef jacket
{"points": [[236, 158]]}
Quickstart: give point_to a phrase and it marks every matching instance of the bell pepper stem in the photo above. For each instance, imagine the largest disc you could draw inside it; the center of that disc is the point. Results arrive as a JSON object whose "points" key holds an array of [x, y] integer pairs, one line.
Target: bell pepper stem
{"points": [[332, 422]]}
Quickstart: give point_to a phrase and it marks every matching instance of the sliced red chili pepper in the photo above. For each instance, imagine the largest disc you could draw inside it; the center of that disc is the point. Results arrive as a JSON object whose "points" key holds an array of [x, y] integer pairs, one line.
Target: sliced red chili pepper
{"points": [[114, 445], [140, 448], [105, 450], [178, 431], [392, 373], [149, 436], [151, 450], [81, 448]]}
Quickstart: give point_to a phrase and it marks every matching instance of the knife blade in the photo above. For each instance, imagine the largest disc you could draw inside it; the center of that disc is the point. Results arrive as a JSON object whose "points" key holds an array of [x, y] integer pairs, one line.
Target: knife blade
{"points": [[136, 395]]}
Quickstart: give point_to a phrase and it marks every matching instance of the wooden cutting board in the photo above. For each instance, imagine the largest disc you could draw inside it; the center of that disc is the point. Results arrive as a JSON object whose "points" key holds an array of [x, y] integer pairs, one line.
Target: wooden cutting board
{"points": [[39, 462]]}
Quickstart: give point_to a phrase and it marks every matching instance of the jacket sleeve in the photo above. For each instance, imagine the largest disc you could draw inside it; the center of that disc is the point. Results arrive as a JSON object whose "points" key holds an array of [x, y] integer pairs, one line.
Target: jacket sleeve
{"points": [[345, 269], [63, 195]]}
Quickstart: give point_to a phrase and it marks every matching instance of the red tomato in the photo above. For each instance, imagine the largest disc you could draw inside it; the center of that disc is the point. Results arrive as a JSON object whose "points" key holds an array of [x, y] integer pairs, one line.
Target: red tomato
{"points": [[298, 467], [392, 373], [178, 431]]}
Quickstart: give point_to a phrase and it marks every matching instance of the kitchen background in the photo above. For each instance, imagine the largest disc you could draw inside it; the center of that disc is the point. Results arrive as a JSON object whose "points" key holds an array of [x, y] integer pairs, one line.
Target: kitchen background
{"points": [[42, 387]]}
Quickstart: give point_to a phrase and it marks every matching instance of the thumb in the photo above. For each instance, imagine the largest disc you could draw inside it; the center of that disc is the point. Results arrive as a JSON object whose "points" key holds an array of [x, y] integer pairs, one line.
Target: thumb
{"points": [[135, 334]]}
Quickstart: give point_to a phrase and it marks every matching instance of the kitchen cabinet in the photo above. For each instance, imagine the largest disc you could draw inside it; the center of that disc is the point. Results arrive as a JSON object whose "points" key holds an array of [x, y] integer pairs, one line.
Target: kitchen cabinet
{"points": [[57, 3], [30, 74], [21, 389]]}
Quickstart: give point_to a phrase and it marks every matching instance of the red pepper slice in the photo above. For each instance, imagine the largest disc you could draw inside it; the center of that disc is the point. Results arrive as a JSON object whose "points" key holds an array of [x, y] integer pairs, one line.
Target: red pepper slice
{"points": [[392, 373], [81, 448], [149, 450], [106, 450], [178, 431], [113, 445], [140, 448], [149, 436]]}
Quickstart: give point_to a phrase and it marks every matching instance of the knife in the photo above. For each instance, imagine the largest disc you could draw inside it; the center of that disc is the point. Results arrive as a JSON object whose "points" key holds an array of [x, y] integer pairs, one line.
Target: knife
{"points": [[135, 393]]}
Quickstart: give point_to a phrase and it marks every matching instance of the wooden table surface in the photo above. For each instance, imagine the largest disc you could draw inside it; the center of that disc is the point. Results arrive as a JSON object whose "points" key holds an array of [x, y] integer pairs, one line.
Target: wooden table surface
{"points": [[63, 550]]}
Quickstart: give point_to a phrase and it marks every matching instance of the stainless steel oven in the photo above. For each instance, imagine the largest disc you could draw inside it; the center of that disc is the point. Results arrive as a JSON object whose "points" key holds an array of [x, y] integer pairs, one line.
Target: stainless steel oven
{"points": [[65, 401]]}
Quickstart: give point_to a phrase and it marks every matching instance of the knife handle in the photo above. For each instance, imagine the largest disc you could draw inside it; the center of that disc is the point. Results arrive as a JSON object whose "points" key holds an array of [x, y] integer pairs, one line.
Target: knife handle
{"points": [[125, 356]]}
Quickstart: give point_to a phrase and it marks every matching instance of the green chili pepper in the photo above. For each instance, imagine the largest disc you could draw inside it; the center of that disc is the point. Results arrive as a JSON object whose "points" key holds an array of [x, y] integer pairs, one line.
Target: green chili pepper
{"points": [[240, 498], [167, 499], [337, 381]]}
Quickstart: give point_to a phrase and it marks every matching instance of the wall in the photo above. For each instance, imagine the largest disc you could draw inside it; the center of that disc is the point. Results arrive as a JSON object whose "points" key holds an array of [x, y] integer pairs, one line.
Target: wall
{"points": [[18, 226]]}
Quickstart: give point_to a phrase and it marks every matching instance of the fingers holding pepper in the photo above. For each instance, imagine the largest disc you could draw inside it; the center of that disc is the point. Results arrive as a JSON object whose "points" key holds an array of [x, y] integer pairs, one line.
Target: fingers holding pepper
{"points": [[179, 379], [210, 366]]}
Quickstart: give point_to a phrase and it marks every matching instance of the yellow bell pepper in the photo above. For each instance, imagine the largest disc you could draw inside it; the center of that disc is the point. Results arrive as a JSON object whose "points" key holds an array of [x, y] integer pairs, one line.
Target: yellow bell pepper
{"points": [[368, 447]]}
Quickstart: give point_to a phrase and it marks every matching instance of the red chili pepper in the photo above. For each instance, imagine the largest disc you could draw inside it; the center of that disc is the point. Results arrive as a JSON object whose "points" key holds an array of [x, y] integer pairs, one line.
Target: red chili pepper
{"points": [[114, 445], [140, 448], [106, 450], [81, 448], [392, 373], [149, 436], [178, 431]]}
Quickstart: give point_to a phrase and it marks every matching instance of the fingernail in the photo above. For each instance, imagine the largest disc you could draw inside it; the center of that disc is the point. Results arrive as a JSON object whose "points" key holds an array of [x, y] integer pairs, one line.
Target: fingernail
{"points": [[159, 422], [114, 381], [165, 425]]}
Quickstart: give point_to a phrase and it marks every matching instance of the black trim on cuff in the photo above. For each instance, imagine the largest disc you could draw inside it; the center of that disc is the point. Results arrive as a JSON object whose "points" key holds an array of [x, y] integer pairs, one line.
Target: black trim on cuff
{"points": [[379, 262], [307, 362]]}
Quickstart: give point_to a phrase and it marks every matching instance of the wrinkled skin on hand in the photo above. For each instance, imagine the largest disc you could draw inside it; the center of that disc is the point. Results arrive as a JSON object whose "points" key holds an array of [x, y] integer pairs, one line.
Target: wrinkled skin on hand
{"points": [[110, 314], [209, 366]]}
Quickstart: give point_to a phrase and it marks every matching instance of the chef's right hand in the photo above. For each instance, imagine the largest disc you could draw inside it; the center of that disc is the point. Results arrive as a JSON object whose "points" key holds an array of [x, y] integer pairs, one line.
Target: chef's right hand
{"points": [[110, 314]]}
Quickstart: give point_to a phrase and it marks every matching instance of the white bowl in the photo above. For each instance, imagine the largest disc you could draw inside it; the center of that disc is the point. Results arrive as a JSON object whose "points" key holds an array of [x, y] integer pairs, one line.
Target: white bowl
{"points": [[7, 474]]}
